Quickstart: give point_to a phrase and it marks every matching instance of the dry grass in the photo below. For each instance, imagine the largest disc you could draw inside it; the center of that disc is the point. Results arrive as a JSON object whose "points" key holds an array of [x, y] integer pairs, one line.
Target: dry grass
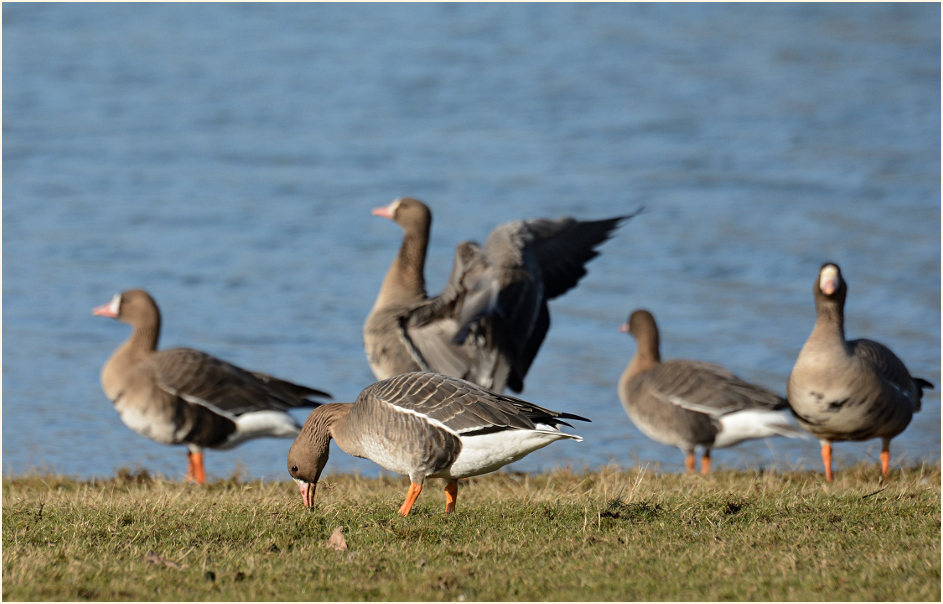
{"points": [[604, 535]]}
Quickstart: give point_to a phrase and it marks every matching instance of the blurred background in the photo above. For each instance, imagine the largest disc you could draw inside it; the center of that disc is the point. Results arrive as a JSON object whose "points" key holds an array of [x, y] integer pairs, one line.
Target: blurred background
{"points": [[226, 158]]}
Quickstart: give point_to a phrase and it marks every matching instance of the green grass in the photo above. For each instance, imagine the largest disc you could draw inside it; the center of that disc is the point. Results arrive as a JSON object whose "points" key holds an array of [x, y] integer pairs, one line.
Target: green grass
{"points": [[602, 535]]}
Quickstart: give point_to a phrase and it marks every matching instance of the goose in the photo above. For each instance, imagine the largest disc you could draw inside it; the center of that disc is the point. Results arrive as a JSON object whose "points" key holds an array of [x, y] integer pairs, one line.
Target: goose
{"points": [[184, 396], [689, 404], [492, 316], [849, 389], [423, 425]]}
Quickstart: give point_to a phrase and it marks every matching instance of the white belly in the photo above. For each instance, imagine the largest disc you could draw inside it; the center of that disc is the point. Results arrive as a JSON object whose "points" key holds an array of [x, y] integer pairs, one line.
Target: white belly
{"points": [[488, 452], [152, 425]]}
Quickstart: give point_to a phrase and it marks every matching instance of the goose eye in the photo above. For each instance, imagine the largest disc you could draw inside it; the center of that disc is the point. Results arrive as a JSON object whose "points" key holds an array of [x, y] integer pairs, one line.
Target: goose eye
{"points": [[294, 468]]}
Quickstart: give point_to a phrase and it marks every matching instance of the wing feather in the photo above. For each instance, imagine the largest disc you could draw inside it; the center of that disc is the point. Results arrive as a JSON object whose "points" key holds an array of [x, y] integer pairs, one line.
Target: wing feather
{"points": [[461, 406], [202, 379]]}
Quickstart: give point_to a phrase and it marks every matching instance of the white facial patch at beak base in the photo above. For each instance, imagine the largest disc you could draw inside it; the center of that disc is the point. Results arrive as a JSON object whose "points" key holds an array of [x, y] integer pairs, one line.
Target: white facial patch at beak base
{"points": [[110, 309], [388, 211], [828, 280]]}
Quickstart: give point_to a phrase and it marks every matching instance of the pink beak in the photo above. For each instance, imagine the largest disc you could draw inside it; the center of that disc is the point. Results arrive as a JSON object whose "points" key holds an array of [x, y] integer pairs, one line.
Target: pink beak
{"points": [[110, 309], [307, 493], [624, 328], [105, 310], [829, 286], [384, 211]]}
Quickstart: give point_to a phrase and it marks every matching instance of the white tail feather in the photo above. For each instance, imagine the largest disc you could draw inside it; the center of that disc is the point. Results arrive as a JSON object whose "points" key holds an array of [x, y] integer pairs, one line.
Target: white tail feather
{"points": [[257, 424], [744, 425]]}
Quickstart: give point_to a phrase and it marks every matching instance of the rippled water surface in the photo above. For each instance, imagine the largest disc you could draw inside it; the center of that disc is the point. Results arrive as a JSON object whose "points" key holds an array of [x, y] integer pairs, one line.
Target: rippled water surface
{"points": [[226, 158]]}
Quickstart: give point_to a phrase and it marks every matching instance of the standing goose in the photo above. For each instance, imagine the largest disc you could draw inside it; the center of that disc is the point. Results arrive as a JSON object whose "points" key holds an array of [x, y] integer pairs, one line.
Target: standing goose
{"points": [[491, 318], [425, 425], [689, 404], [184, 396], [849, 390]]}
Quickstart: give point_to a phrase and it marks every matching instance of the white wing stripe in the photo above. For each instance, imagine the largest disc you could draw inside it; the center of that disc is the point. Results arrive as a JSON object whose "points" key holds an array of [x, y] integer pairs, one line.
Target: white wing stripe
{"points": [[197, 401], [422, 416]]}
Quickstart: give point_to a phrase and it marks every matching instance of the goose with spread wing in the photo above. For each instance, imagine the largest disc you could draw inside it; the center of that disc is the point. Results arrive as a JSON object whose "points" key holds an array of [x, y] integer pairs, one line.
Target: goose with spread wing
{"points": [[488, 323], [689, 404], [184, 396], [425, 425], [849, 389]]}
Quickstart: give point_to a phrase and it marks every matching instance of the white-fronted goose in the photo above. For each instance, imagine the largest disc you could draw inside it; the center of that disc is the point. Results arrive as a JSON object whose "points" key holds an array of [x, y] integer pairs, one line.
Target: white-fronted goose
{"points": [[184, 396], [425, 425], [849, 390], [491, 318], [691, 404]]}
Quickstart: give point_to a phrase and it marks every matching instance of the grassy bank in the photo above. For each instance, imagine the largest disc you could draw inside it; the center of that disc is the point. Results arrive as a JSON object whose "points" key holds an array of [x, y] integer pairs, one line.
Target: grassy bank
{"points": [[604, 535]]}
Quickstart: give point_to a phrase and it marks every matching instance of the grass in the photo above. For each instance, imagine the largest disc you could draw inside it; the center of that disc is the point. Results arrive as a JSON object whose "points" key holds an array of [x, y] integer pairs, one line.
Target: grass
{"points": [[609, 534]]}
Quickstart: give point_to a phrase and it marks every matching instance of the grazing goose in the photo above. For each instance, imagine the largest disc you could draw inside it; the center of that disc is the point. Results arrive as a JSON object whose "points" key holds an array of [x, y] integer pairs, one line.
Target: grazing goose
{"points": [[425, 425], [182, 395], [849, 390], [692, 403], [491, 318]]}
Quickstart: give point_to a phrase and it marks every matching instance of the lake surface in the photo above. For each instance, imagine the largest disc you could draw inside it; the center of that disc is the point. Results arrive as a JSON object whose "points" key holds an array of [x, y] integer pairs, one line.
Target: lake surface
{"points": [[226, 157]]}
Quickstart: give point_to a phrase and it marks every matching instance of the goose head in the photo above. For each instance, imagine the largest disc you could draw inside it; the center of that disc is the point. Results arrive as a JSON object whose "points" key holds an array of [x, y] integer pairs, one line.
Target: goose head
{"points": [[308, 453], [135, 307]]}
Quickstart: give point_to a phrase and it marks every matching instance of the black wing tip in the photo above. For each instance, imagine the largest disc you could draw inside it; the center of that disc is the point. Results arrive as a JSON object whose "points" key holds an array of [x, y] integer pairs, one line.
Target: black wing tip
{"points": [[641, 209], [922, 383], [573, 416], [617, 221], [608, 226], [307, 401]]}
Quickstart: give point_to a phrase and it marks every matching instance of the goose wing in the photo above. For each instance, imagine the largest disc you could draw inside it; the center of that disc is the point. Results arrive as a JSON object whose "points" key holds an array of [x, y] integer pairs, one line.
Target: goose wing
{"points": [[202, 379], [889, 369], [463, 408], [491, 318], [708, 388], [436, 332], [562, 247]]}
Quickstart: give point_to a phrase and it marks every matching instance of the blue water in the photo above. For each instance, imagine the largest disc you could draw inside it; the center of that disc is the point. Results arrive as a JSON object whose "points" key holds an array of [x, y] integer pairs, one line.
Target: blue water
{"points": [[226, 158]]}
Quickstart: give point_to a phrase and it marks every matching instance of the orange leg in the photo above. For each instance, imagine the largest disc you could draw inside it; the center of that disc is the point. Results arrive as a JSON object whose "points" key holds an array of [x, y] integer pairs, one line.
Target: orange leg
{"points": [[411, 495], [885, 457], [689, 462], [827, 460], [706, 462], [451, 496], [195, 471]]}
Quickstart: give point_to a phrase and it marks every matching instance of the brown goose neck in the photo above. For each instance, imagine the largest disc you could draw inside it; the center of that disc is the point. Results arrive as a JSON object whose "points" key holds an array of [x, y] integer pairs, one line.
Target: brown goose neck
{"points": [[145, 337], [645, 358], [333, 423], [830, 317], [405, 278]]}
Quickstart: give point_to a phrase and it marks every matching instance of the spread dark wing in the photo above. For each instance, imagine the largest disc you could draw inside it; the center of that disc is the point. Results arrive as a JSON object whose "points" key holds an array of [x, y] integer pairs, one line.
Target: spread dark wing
{"points": [[530, 262], [463, 407], [562, 248], [490, 320], [708, 388], [205, 380], [438, 340]]}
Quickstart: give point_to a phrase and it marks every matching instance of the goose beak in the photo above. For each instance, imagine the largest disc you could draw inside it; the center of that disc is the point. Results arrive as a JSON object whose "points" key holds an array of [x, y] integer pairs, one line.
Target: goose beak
{"points": [[110, 309], [624, 328], [828, 279], [307, 492], [386, 211]]}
